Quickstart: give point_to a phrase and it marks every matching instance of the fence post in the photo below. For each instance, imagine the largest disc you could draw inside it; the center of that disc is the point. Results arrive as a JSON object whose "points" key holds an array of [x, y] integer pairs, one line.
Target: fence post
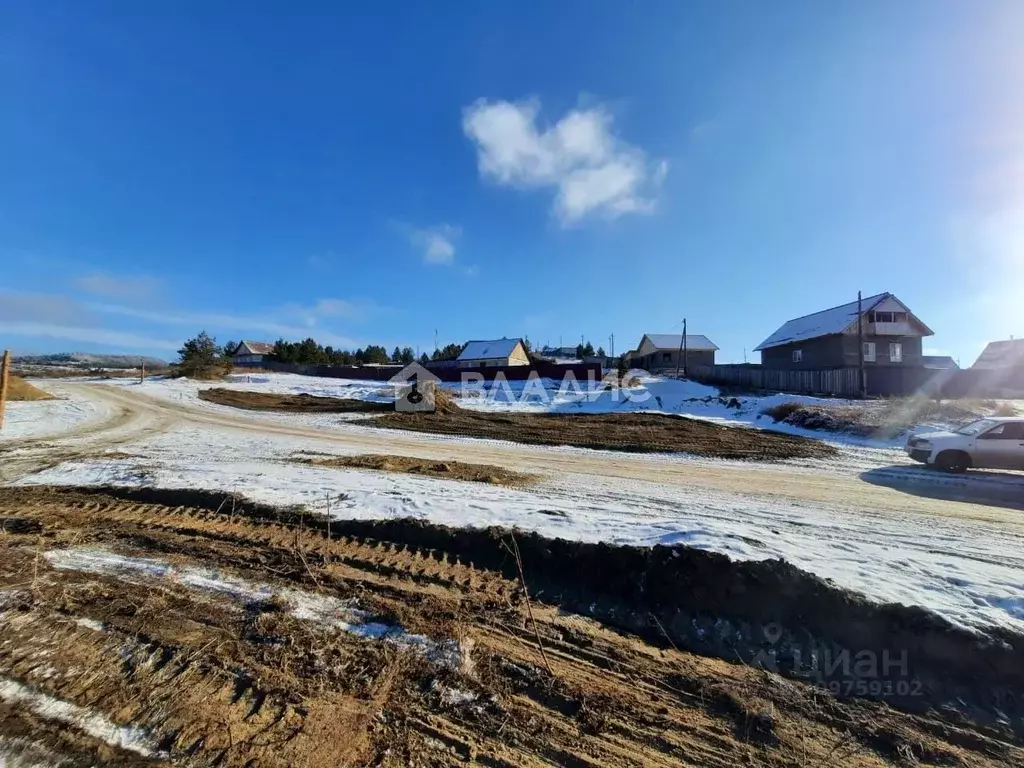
{"points": [[5, 375]]}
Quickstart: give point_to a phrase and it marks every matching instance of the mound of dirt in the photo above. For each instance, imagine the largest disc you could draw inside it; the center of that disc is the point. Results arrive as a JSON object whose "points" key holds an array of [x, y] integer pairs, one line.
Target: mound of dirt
{"points": [[19, 389], [635, 432], [302, 403], [449, 470], [235, 661]]}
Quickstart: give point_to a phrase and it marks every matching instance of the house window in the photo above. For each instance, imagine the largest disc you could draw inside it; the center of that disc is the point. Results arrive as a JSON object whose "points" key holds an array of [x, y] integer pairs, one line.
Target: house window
{"points": [[798, 355], [896, 352], [666, 355], [869, 351]]}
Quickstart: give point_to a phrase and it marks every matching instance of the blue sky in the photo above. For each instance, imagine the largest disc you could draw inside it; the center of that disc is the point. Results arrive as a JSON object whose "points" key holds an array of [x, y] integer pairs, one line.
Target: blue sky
{"points": [[370, 172]]}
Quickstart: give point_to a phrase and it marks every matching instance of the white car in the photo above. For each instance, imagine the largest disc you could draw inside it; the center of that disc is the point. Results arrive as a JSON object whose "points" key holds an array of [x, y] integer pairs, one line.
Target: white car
{"points": [[994, 443]]}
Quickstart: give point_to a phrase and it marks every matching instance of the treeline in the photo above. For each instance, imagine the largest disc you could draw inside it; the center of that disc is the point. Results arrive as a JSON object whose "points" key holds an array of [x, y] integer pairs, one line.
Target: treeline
{"points": [[310, 352]]}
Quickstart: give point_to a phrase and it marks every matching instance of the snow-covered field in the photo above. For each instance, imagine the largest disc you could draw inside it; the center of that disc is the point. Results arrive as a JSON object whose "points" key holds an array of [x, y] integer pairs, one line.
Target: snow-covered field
{"points": [[43, 418], [971, 572], [651, 395], [967, 568]]}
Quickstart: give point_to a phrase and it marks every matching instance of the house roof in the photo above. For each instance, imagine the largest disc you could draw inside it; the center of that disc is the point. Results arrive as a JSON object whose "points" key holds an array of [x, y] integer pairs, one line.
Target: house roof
{"points": [[694, 342], [498, 349], [254, 348], [827, 322], [1001, 354], [938, 361]]}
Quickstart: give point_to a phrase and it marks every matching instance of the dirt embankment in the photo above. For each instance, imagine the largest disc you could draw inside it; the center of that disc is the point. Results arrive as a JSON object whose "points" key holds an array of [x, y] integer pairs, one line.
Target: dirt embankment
{"points": [[19, 389], [447, 470], [207, 676], [302, 403], [633, 432]]}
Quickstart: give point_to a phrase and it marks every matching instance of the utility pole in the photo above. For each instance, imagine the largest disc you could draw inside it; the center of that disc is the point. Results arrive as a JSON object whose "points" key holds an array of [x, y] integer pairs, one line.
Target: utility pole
{"points": [[142, 374], [860, 346], [686, 373], [435, 339], [611, 345], [681, 356], [5, 372]]}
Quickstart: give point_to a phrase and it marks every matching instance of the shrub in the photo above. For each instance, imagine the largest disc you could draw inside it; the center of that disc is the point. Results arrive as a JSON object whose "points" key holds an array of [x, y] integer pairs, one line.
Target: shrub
{"points": [[782, 411]]}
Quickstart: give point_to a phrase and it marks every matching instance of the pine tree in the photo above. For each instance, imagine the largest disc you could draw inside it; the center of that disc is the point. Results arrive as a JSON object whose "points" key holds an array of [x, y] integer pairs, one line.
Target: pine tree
{"points": [[198, 355]]}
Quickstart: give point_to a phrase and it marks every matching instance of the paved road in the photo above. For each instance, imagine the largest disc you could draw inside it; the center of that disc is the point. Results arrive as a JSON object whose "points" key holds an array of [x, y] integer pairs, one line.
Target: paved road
{"points": [[904, 490]]}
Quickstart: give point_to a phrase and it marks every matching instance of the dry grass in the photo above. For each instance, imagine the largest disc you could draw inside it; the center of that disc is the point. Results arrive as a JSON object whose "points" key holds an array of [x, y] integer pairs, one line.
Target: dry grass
{"points": [[634, 432], [885, 418], [302, 403], [449, 470], [19, 389]]}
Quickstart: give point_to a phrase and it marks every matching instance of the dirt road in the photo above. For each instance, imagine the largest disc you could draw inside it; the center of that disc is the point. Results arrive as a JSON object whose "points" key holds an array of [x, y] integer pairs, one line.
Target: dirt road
{"points": [[138, 415]]}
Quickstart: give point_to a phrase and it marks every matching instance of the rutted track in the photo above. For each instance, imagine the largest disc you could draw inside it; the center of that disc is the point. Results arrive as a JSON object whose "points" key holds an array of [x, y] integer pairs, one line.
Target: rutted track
{"points": [[208, 680]]}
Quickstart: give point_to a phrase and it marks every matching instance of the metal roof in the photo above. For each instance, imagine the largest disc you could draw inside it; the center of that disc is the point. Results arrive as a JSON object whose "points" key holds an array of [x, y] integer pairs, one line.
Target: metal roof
{"points": [[255, 347], [828, 322], [1001, 354], [498, 349], [694, 341]]}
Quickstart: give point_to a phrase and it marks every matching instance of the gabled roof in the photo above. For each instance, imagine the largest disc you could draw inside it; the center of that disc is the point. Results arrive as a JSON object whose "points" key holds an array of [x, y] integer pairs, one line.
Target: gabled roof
{"points": [[1001, 354], [694, 342], [499, 349], [253, 348], [939, 362], [828, 322]]}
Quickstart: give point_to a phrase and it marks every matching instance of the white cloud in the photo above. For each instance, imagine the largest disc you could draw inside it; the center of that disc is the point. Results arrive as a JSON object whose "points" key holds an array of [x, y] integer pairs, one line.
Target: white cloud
{"points": [[292, 321], [126, 287], [593, 171], [437, 243], [88, 335]]}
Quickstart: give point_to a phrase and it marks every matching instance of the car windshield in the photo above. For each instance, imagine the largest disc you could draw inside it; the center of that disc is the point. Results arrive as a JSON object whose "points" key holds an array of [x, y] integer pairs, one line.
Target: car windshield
{"points": [[976, 427]]}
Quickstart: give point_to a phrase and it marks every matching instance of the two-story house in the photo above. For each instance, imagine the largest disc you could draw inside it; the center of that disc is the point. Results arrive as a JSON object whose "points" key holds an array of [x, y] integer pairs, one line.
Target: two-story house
{"points": [[891, 335]]}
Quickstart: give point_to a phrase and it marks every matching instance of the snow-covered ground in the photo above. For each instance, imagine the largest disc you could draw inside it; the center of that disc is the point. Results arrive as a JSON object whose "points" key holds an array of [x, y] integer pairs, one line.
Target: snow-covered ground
{"points": [[43, 418], [970, 571], [651, 395]]}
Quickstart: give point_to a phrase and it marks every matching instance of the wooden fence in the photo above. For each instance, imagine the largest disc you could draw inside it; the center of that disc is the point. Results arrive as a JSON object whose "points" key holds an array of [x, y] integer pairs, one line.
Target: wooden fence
{"points": [[844, 382]]}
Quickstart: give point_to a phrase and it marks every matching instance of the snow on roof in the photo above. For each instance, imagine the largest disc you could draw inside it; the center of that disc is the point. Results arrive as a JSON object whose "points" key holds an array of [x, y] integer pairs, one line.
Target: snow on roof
{"points": [[499, 349], [256, 347], [1001, 354], [824, 323], [694, 341]]}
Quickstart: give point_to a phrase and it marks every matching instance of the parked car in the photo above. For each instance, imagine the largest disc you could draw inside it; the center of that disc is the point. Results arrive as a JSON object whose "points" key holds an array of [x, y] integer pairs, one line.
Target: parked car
{"points": [[993, 443]]}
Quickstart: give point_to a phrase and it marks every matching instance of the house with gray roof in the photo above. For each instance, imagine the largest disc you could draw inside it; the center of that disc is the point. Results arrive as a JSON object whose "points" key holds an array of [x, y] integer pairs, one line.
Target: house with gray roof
{"points": [[250, 352], [493, 354], [892, 336], [660, 352]]}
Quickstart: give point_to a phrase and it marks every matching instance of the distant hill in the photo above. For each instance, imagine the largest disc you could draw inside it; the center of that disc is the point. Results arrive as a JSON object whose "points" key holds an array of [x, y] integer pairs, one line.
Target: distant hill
{"points": [[89, 360]]}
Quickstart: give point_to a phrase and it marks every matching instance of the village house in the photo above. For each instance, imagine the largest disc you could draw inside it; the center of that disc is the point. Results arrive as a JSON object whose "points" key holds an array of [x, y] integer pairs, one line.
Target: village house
{"points": [[1001, 356], [661, 352], [249, 352], [493, 354], [892, 336]]}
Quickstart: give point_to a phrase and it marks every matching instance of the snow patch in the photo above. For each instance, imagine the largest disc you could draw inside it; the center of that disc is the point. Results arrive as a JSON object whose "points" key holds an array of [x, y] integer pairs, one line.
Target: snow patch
{"points": [[129, 738], [305, 606]]}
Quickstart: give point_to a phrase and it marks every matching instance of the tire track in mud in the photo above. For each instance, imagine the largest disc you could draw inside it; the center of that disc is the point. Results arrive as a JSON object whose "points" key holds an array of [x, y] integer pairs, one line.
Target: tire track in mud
{"points": [[211, 680]]}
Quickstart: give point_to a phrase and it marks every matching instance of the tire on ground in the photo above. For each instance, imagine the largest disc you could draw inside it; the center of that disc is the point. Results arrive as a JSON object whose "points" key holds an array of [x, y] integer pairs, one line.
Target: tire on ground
{"points": [[953, 461]]}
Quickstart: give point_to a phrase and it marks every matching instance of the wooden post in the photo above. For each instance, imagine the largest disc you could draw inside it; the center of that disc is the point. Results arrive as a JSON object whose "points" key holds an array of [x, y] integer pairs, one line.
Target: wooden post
{"points": [[860, 347], [142, 376], [5, 377]]}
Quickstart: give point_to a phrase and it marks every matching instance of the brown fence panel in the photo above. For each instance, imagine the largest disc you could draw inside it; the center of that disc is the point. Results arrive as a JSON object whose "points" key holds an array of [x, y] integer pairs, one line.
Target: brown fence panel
{"points": [[837, 381]]}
